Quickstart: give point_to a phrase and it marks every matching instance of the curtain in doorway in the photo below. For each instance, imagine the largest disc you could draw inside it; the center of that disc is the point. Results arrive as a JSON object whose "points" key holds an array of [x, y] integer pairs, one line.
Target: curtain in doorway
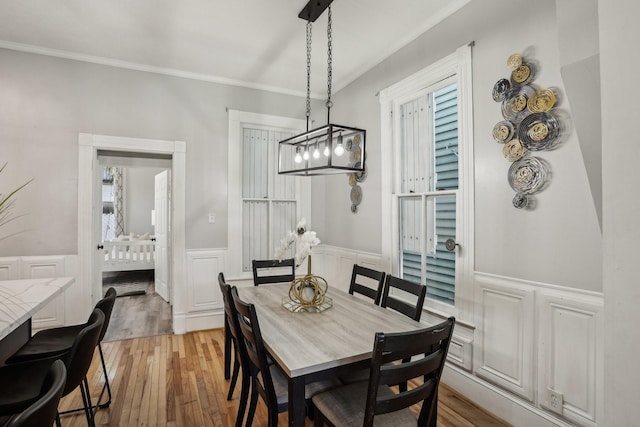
{"points": [[118, 200]]}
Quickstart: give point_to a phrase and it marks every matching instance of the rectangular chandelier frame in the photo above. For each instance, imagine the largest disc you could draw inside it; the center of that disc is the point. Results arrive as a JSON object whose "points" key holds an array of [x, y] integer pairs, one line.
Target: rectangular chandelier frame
{"points": [[330, 149]]}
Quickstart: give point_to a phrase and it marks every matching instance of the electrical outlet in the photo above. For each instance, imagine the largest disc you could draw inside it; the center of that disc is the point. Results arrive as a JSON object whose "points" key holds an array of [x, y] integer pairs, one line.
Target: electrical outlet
{"points": [[554, 401]]}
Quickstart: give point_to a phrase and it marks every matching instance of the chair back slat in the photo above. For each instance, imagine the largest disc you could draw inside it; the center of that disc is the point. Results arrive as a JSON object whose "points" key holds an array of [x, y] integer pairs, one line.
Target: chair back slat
{"points": [[273, 271], [399, 357], [258, 362], [414, 311], [358, 286]]}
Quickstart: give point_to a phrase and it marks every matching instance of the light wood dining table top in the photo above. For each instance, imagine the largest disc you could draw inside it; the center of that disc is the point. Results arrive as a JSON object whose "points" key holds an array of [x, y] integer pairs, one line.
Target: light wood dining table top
{"points": [[305, 343]]}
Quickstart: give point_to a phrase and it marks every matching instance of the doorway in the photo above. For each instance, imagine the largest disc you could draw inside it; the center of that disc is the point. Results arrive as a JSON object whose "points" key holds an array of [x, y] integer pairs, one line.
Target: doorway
{"points": [[89, 227], [134, 216]]}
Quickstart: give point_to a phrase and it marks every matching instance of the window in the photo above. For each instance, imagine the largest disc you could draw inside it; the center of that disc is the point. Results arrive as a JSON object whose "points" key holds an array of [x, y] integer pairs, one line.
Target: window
{"points": [[427, 149], [263, 206], [269, 205]]}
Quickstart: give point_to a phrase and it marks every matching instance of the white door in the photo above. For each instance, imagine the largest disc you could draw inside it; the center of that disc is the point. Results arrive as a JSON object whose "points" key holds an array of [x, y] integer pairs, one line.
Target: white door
{"points": [[161, 233]]}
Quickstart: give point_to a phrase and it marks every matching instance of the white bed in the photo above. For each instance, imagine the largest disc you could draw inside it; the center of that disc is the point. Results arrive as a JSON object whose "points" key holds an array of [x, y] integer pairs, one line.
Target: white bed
{"points": [[129, 255]]}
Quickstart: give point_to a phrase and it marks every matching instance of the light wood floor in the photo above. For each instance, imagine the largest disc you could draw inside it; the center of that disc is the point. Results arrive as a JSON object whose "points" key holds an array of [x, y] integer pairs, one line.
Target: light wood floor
{"points": [[177, 380]]}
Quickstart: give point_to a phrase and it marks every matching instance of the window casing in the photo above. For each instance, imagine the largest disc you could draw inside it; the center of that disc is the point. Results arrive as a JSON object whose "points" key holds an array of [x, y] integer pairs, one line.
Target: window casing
{"points": [[427, 149]]}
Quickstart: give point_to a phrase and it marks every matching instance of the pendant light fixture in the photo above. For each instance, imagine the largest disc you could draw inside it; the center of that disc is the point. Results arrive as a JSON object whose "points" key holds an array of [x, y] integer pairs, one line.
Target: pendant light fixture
{"points": [[329, 149]]}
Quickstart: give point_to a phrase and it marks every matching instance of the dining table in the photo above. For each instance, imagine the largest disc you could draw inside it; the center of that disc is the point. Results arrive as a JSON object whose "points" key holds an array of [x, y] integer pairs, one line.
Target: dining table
{"points": [[19, 301], [311, 346]]}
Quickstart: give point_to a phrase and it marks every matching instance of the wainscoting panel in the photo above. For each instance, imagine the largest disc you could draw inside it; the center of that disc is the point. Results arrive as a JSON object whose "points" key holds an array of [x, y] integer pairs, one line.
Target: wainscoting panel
{"points": [[9, 268], [203, 267], [507, 336], [571, 346], [53, 314]]}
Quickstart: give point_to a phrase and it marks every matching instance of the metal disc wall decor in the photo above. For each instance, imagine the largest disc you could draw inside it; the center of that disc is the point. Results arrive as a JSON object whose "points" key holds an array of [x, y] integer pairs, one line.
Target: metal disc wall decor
{"points": [[355, 157], [523, 74], [500, 90], [538, 131], [513, 150], [503, 131], [527, 176], [529, 125], [514, 107], [542, 100]]}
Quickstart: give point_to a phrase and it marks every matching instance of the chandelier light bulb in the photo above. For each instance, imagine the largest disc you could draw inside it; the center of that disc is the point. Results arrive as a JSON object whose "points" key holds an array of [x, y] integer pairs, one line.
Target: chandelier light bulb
{"points": [[297, 158], [316, 152], [339, 150], [305, 154], [327, 151]]}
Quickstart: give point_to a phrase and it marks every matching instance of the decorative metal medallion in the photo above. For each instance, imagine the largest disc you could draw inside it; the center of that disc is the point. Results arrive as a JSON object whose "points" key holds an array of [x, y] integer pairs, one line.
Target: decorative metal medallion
{"points": [[352, 179], [361, 176], [514, 107], [513, 150], [520, 201], [501, 90], [355, 154], [523, 74], [503, 131], [514, 61], [539, 131], [356, 139], [356, 194], [527, 176], [542, 100]]}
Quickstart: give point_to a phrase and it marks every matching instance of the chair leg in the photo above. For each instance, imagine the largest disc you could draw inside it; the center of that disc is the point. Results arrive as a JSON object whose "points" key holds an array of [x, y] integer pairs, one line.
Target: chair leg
{"points": [[58, 423], [227, 350], [252, 406], [86, 399], [106, 387], [318, 420], [234, 377], [244, 396], [106, 382]]}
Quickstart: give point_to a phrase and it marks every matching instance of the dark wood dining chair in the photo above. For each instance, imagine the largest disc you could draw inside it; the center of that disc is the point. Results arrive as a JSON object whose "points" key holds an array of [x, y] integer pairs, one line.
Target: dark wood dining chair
{"points": [[358, 404], [360, 276], [240, 357], [267, 381], [413, 311], [269, 271]]}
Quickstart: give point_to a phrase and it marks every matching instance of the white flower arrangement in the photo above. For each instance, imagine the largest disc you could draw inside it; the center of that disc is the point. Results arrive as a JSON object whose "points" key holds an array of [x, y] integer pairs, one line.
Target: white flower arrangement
{"points": [[303, 239]]}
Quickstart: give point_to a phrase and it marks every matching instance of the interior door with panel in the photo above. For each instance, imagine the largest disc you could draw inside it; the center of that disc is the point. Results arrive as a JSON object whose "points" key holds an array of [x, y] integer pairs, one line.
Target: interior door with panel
{"points": [[161, 233]]}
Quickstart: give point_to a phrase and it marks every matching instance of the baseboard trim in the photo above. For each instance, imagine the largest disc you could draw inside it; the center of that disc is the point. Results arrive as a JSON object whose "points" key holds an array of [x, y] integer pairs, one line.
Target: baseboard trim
{"points": [[188, 322], [496, 401]]}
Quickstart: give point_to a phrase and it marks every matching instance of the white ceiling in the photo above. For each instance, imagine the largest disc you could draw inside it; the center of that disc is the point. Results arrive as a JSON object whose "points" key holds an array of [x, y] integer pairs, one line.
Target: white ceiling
{"points": [[253, 43]]}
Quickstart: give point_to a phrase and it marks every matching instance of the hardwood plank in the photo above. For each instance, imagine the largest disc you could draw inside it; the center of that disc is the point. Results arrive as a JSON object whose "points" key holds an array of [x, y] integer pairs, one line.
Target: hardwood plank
{"points": [[179, 381]]}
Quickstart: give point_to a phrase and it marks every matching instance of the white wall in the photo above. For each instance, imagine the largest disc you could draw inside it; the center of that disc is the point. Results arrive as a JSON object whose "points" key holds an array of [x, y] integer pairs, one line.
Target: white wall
{"points": [[559, 242], [619, 34], [139, 199], [47, 101]]}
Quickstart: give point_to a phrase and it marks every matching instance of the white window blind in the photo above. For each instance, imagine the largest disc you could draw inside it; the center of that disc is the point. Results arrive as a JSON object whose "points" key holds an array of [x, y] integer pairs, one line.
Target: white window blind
{"points": [[269, 202], [429, 166]]}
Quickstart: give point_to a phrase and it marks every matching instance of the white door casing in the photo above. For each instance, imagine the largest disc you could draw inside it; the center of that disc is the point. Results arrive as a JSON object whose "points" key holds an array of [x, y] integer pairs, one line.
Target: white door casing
{"points": [[88, 273], [161, 233]]}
